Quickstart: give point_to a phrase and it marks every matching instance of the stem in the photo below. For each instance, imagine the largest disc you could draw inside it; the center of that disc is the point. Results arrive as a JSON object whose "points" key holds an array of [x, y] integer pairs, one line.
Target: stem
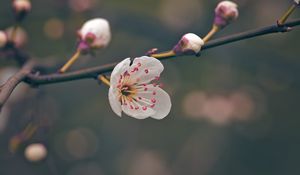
{"points": [[286, 15], [211, 33], [29, 131], [104, 80], [166, 54], [70, 62]]}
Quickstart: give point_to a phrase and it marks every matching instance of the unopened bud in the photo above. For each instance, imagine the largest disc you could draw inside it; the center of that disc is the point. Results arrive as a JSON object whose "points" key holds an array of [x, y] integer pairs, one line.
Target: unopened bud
{"points": [[21, 8], [297, 2], [35, 152], [17, 35], [225, 12], [189, 44], [3, 39], [94, 33]]}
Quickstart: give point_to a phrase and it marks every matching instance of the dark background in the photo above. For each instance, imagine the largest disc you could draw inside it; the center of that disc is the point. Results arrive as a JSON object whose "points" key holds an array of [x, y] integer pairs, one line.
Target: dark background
{"points": [[235, 109]]}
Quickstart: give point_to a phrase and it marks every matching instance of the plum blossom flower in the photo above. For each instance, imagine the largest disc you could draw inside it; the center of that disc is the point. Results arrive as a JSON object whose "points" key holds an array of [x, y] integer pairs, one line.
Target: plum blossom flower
{"points": [[190, 43], [134, 89], [94, 33], [225, 12]]}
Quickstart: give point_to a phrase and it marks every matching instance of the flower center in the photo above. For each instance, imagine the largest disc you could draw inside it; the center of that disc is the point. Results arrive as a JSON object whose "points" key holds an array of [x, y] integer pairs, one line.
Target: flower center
{"points": [[127, 90]]}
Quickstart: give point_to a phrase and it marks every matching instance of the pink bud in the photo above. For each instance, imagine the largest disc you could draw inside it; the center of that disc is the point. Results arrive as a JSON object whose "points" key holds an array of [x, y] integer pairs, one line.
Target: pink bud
{"points": [[189, 44], [19, 34], [21, 8], [3, 39], [225, 12]]}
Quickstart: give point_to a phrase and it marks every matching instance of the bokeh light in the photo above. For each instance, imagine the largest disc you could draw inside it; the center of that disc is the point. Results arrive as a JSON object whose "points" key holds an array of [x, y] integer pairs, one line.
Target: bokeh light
{"points": [[54, 28], [179, 15]]}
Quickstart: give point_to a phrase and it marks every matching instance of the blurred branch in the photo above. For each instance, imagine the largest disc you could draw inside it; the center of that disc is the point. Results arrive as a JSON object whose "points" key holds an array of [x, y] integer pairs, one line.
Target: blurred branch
{"points": [[11, 51], [7, 88], [34, 79], [252, 33]]}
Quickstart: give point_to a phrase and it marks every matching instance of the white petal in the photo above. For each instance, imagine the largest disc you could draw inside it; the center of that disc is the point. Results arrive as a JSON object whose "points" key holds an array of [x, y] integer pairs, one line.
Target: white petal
{"points": [[130, 110], [114, 102], [194, 42], [148, 69], [162, 104], [119, 70]]}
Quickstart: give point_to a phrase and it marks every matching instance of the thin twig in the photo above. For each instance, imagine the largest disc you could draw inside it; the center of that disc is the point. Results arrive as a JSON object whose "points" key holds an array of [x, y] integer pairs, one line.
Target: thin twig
{"points": [[7, 88], [95, 71]]}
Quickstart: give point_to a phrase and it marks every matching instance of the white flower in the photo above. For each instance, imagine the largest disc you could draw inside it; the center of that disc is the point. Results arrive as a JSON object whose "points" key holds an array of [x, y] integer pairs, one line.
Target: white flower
{"points": [[95, 33], [297, 2], [3, 39], [190, 43], [133, 89], [225, 12]]}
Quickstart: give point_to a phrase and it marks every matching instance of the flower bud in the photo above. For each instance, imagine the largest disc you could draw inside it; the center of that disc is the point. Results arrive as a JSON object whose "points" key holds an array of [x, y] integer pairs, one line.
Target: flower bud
{"points": [[297, 2], [3, 39], [35, 152], [94, 33], [21, 8], [190, 44], [18, 36], [225, 12]]}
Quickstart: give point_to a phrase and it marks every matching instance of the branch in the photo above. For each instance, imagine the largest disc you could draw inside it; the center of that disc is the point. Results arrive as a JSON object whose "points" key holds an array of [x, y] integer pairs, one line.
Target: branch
{"points": [[7, 88], [10, 50], [95, 71]]}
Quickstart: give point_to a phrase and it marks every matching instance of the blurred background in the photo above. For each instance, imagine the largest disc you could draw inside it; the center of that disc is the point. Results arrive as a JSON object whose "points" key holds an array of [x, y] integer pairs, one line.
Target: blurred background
{"points": [[235, 109]]}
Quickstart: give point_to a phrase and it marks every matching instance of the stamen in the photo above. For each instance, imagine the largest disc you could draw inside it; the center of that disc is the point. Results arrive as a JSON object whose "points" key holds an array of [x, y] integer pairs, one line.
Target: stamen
{"points": [[145, 101]]}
